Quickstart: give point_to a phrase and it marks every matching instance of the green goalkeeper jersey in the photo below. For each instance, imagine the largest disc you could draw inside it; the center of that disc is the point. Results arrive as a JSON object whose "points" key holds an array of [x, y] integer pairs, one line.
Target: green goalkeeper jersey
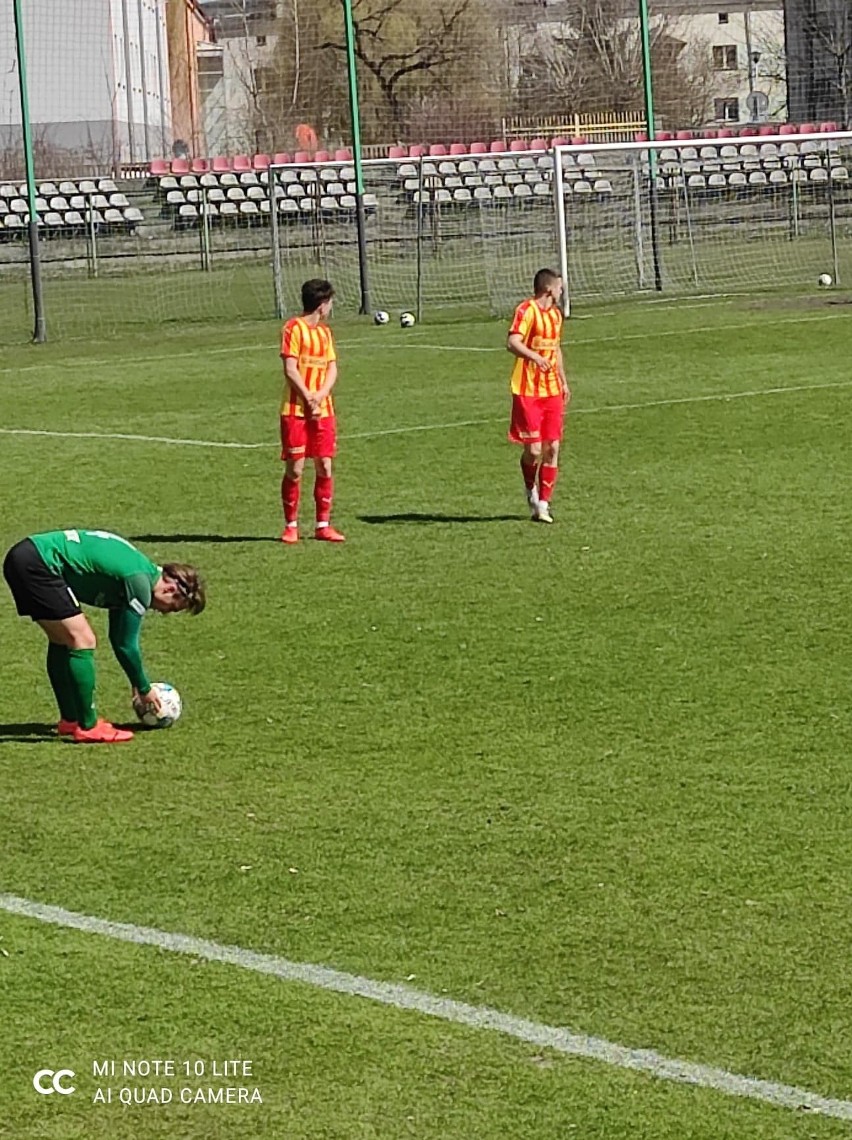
{"points": [[105, 570]]}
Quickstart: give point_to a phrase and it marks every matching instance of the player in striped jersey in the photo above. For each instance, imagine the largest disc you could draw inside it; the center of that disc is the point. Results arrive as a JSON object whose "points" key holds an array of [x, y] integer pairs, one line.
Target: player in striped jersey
{"points": [[540, 391], [308, 426]]}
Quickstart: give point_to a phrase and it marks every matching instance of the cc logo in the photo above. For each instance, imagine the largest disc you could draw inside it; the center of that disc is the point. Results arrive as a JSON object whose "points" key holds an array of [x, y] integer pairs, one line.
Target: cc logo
{"points": [[48, 1081]]}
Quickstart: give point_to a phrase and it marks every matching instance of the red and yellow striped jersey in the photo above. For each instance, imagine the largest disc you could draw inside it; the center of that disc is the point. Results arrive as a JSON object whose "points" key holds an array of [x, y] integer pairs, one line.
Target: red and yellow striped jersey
{"points": [[312, 347], [541, 330]]}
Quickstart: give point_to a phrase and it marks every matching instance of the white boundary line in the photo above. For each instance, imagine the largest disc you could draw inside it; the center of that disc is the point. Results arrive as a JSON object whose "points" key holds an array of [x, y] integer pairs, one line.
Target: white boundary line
{"points": [[402, 997], [717, 397], [410, 343]]}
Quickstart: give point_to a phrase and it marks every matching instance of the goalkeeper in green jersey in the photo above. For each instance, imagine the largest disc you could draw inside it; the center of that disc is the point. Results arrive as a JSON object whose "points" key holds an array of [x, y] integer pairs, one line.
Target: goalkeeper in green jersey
{"points": [[51, 574]]}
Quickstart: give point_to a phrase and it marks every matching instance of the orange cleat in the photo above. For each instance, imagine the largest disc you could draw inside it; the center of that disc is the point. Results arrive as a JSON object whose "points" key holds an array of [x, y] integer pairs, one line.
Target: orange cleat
{"points": [[66, 728], [328, 534], [102, 733], [290, 535]]}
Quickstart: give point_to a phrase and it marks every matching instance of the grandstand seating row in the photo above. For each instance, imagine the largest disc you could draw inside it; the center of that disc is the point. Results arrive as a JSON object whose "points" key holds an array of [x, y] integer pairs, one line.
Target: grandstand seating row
{"points": [[240, 163], [67, 188], [73, 223]]}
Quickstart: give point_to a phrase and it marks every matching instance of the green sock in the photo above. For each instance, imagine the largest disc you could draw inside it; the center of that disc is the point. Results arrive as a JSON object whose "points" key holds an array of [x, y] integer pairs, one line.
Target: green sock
{"points": [[81, 664], [60, 679]]}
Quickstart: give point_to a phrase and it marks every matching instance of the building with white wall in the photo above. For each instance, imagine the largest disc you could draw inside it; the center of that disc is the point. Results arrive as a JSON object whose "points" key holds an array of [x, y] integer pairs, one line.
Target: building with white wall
{"points": [[97, 77]]}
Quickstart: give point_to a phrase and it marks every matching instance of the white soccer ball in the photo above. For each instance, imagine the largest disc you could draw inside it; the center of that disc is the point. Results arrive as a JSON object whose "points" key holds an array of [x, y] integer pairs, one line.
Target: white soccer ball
{"points": [[406, 320], [825, 280], [380, 317], [170, 703]]}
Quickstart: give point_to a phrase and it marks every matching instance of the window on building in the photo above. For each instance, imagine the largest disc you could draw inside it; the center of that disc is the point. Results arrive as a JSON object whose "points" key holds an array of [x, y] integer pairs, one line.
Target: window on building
{"points": [[727, 110], [723, 17], [725, 57], [260, 41]]}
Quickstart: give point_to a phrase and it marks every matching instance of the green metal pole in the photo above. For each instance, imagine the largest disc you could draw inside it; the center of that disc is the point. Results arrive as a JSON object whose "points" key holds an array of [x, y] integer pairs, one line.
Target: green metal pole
{"points": [[355, 115], [644, 25], [40, 327]]}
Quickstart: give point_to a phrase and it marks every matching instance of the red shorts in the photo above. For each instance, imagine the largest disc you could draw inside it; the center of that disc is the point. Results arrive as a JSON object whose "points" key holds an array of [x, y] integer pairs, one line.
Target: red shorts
{"points": [[306, 437], [536, 419]]}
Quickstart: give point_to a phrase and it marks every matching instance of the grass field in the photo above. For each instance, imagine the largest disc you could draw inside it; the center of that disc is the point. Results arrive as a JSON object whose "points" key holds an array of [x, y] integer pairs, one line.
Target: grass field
{"points": [[594, 776]]}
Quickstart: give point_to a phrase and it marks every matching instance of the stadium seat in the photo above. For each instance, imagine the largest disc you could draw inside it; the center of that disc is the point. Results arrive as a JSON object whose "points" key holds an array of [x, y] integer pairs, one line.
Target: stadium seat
{"points": [[518, 145], [158, 167], [724, 133], [180, 166], [343, 154], [788, 129], [398, 152], [542, 190], [458, 148], [767, 129], [241, 163], [302, 156], [280, 159], [807, 128], [819, 174], [418, 150], [133, 216], [826, 127], [498, 146], [436, 150], [199, 166], [538, 144], [220, 165], [260, 162], [716, 181], [778, 178], [581, 186], [757, 178], [839, 174], [737, 179], [478, 148]]}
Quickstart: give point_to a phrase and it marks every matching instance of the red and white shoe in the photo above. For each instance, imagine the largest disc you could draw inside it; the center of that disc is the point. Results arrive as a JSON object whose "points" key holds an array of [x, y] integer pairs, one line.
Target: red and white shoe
{"points": [[290, 535], [102, 733], [328, 534], [66, 728]]}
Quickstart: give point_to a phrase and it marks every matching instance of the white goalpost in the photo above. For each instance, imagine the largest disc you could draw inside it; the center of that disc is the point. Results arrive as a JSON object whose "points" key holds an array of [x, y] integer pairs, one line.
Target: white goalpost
{"points": [[704, 214]]}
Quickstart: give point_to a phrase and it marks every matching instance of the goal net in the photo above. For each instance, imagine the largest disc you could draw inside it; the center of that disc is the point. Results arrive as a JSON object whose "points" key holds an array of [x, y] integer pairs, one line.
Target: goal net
{"points": [[705, 214]]}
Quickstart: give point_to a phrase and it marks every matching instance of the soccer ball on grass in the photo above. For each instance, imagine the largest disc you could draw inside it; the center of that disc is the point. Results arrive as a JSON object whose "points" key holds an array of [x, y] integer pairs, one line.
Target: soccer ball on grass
{"points": [[380, 317], [825, 280], [170, 703], [406, 320]]}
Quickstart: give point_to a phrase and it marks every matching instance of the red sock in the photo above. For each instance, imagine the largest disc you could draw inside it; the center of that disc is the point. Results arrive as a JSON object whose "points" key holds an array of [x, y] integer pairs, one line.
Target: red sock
{"points": [[528, 470], [323, 494], [546, 482], [290, 498]]}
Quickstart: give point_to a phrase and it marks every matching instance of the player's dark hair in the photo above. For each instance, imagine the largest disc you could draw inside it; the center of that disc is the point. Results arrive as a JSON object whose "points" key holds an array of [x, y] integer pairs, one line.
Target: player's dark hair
{"points": [[543, 279], [189, 583], [315, 292]]}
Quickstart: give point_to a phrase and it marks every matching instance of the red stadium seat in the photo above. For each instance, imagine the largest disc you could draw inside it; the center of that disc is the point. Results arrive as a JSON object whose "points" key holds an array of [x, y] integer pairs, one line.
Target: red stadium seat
{"points": [[767, 129], [788, 129], [200, 166], [260, 162], [664, 136], [498, 146], [711, 133], [807, 128], [640, 136], [398, 152], [538, 144], [343, 154], [684, 136], [418, 150], [478, 148], [302, 156], [180, 166], [579, 140], [518, 144], [158, 168], [280, 158], [322, 156], [560, 140], [437, 150], [747, 132], [828, 127], [242, 163], [220, 165], [725, 133], [458, 148]]}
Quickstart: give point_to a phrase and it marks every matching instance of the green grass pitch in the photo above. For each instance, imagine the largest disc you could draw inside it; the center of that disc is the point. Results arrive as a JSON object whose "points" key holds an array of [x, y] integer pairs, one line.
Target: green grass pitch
{"points": [[594, 775]]}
